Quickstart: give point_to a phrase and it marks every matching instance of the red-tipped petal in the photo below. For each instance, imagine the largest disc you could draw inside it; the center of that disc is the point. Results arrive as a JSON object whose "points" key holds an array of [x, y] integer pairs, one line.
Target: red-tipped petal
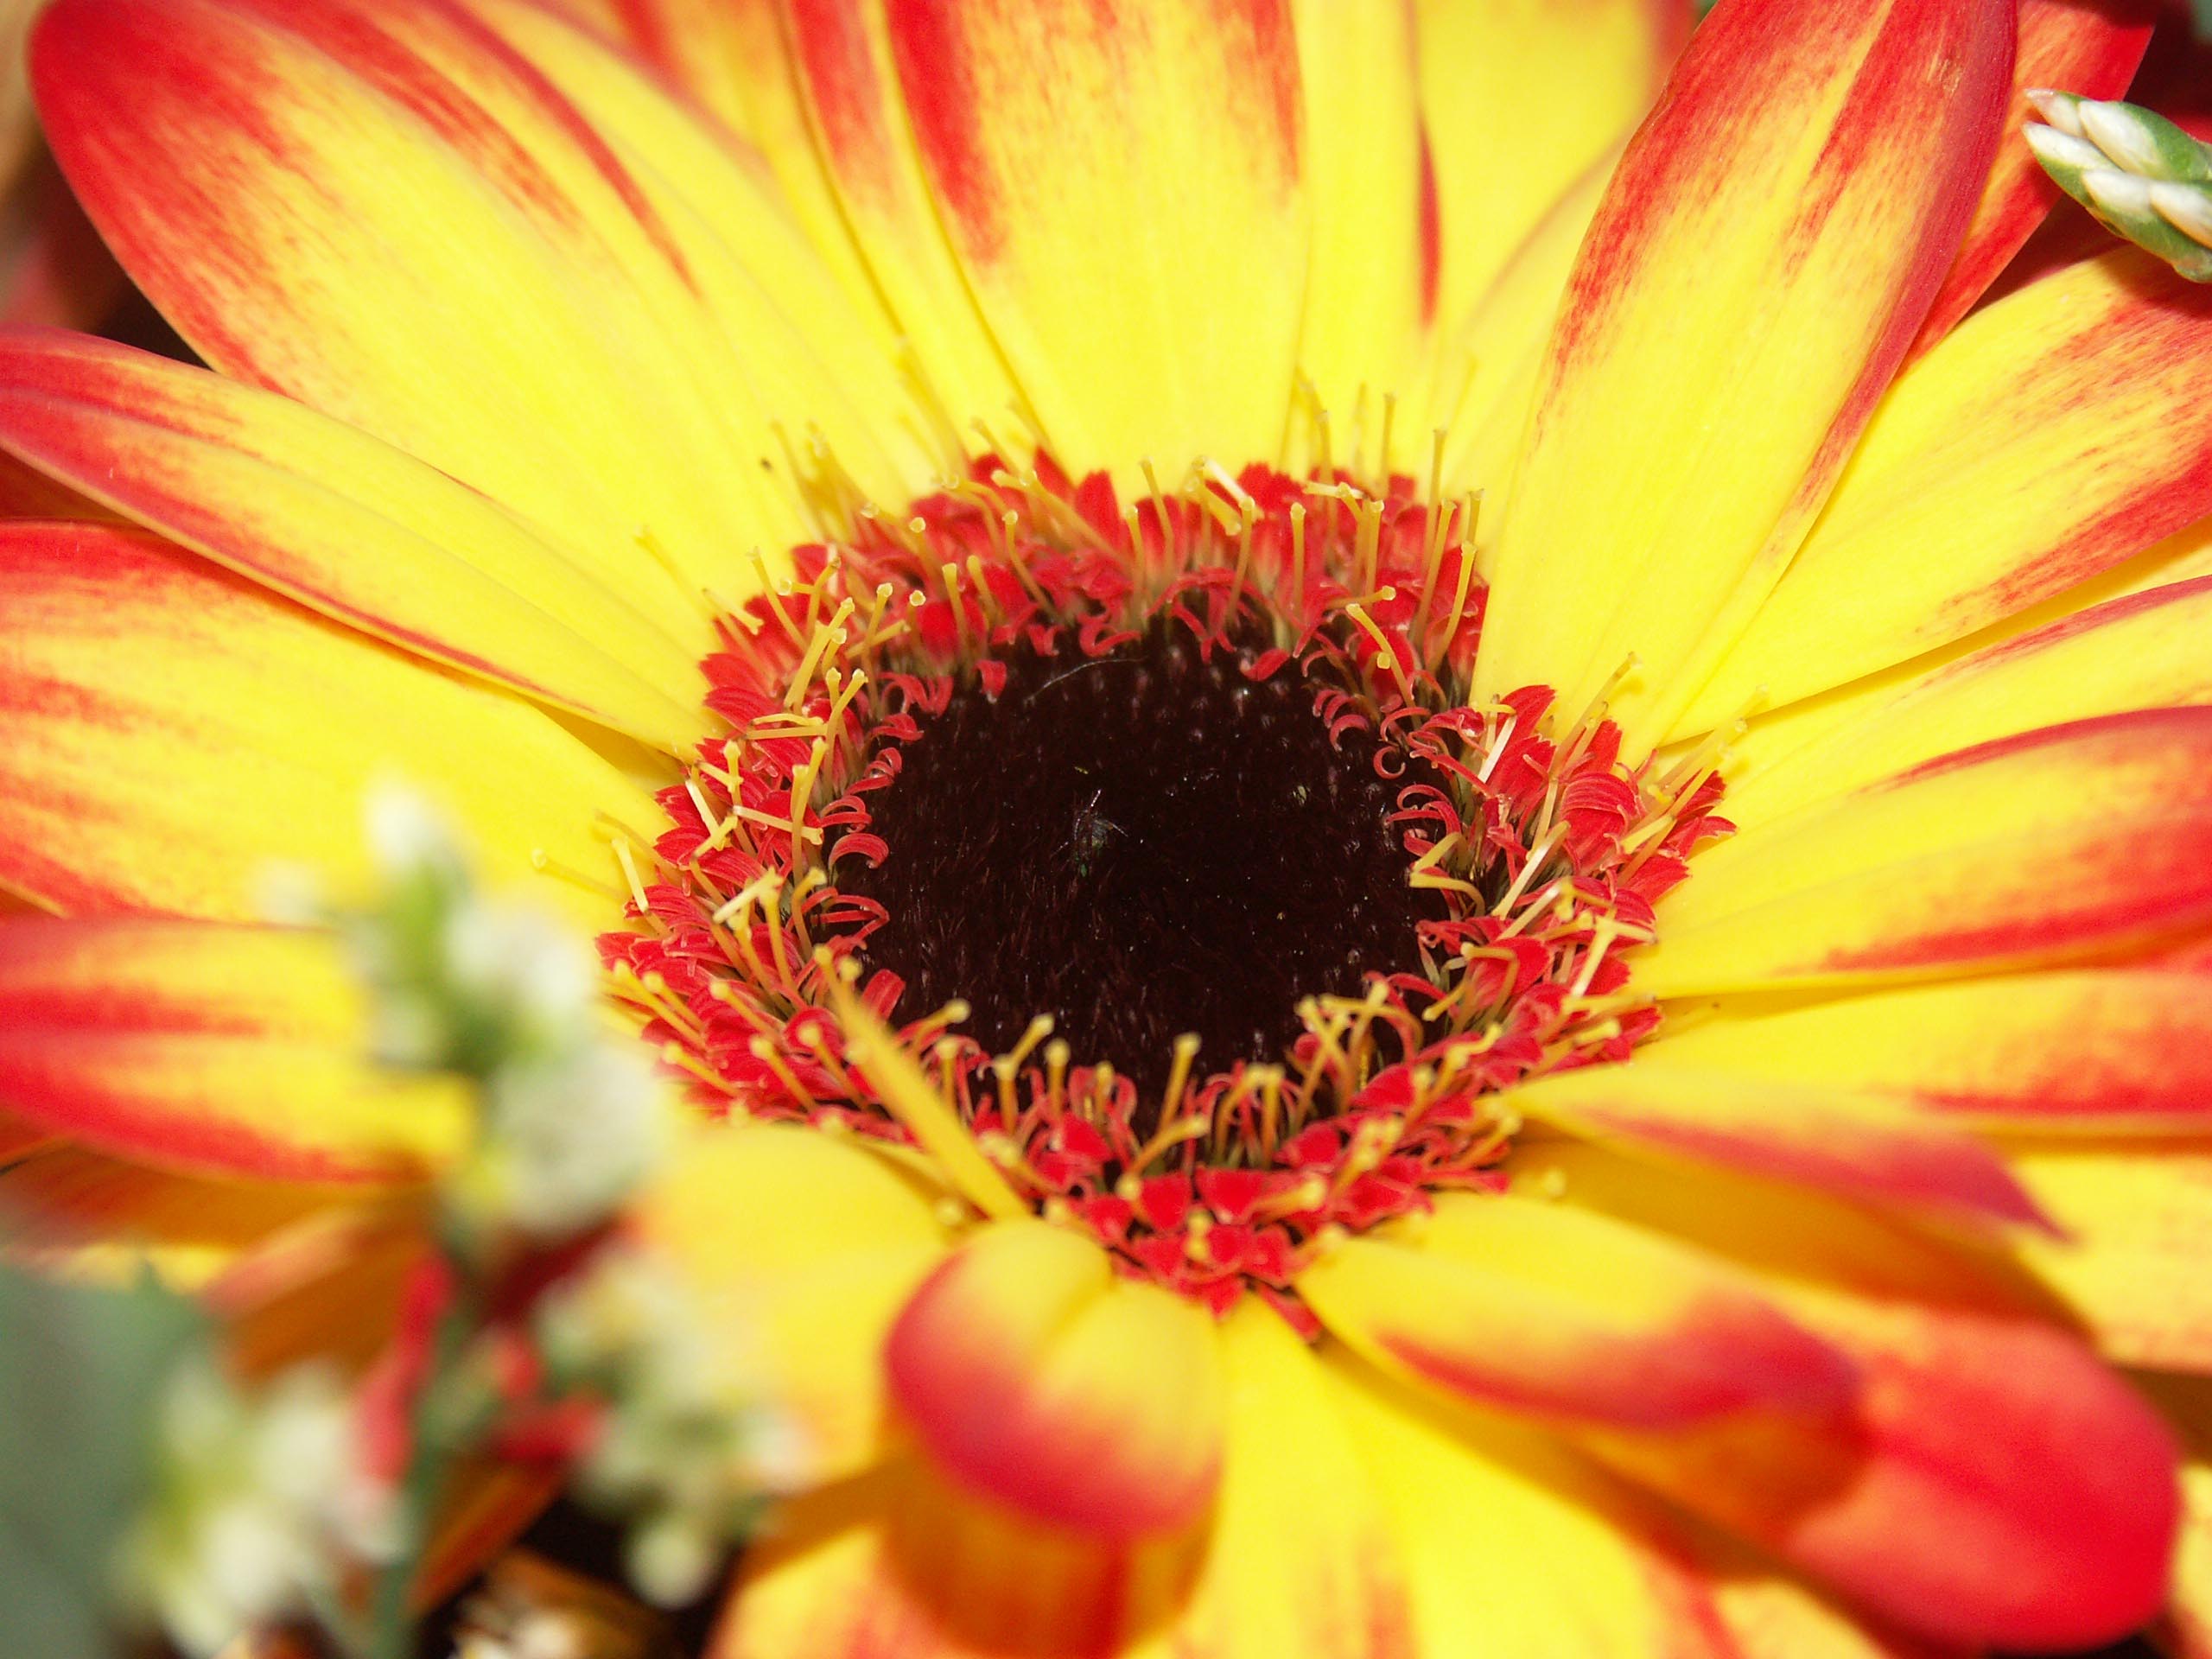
{"points": [[2120, 1048], [1539, 1309], [1038, 1378], [174, 731], [1765, 253], [2089, 50], [2057, 843], [1994, 1484], [1854, 1142], [211, 1049]]}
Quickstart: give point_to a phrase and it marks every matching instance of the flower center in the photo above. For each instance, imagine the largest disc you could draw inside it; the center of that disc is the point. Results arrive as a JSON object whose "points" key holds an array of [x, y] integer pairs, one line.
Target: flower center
{"points": [[1150, 841], [1159, 852]]}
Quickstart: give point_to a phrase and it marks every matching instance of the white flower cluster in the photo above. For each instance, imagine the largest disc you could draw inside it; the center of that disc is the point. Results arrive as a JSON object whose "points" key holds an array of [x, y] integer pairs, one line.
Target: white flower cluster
{"points": [[680, 1450], [2141, 175], [573, 1120], [257, 1495]]}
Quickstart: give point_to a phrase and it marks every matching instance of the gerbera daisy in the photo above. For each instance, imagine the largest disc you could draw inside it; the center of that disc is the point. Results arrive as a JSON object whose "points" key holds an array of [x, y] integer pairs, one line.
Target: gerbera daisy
{"points": [[1582, 1036]]}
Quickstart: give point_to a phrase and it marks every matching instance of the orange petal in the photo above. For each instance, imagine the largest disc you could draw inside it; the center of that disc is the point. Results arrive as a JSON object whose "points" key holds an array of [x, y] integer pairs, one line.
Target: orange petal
{"points": [[1766, 250], [210, 1049], [1552, 1310], [2091, 51], [1993, 1485], [2185, 1632], [329, 1288], [174, 731], [381, 210], [1115, 181], [67, 1202], [331, 517], [1851, 1141], [2057, 843], [2046, 439], [799, 1297], [1013, 1363], [2110, 1048], [19, 1139]]}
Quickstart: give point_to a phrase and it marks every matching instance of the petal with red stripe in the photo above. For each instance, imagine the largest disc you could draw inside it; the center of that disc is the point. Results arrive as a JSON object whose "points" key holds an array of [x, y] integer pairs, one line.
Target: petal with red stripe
{"points": [[2103, 1048], [378, 208], [2090, 50], [351, 526], [1519, 100], [1014, 1364], [2045, 440], [798, 1300], [1528, 1306], [210, 1049], [1854, 1142], [1993, 1485], [1765, 251], [1122, 186], [2061, 842], [174, 731]]}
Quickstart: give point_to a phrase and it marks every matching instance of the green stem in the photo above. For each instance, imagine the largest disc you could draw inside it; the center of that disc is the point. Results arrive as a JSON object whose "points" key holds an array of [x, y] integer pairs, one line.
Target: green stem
{"points": [[439, 1433]]}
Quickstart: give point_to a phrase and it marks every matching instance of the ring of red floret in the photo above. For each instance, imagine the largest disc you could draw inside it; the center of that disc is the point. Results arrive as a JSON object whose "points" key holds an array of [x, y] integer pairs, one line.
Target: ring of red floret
{"points": [[1548, 855]]}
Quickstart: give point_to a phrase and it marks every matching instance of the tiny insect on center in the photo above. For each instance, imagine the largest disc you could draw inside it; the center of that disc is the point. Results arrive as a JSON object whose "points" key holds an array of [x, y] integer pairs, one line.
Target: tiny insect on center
{"points": [[1141, 844]]}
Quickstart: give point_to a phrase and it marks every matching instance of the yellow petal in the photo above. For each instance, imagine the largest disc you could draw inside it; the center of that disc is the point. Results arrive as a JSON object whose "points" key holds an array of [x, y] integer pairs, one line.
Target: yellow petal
{"points": [[1012, 1363], [176, 731], [816, 348], [1364, 184], [1501, 345], [211, 1049], [382, 212], [902, 1565], [2105, 1049], [329, 516], [1298, 1558], [2138, 1220], [2051, 435], [1517, 1547], [1123, 190], [821, 91], [1765, 251], [1566, 1315], [1817, 1132], [2181, 557], [802, 1250], [2142, 652], [2060, 842], [1520, 96]]}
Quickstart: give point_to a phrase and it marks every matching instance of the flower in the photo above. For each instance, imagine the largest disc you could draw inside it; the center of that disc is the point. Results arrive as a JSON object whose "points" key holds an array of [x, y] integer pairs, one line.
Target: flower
{"points": [[252, 1493], [1716, 1162]]}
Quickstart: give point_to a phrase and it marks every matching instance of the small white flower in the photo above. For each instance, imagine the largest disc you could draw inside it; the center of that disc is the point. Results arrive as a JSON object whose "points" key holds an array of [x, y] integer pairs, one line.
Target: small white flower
{"points": [[244, 1524], [566, 1140]]}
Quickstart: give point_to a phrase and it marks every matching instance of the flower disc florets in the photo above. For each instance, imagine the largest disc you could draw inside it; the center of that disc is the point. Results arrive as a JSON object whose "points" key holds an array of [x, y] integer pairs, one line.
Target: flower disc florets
{"points": [[1519, 858]]}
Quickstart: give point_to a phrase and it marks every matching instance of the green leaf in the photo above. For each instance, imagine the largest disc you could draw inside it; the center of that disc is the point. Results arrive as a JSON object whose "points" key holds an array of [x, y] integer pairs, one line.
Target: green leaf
{"points": [[81, 1370]]}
